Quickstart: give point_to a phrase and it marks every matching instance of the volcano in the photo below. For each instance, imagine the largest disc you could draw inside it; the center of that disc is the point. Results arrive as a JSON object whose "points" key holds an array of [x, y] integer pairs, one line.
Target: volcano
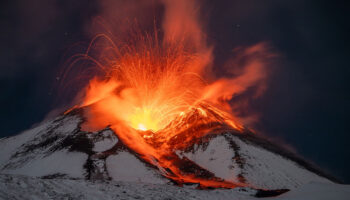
{"points": [[218, 157], [154, 116]]}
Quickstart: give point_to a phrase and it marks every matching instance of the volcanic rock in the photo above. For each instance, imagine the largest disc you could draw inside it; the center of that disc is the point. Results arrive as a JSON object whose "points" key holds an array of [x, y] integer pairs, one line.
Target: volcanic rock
{"points": [[59, 148]]}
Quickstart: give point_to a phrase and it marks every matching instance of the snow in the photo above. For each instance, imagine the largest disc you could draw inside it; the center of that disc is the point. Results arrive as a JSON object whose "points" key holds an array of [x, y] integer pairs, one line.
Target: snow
{"points": [[59, 162], [261, 168], [126, 167], [9, 145], [18, 157], [109, 139], [269, 170], [216, 158], [67, 124], [27, 159], [319, 191], [22, 187]]}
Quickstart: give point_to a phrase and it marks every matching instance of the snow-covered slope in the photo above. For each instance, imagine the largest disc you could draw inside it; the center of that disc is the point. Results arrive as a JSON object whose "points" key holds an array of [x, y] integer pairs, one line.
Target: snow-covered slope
{"points": [[232, 158], [60, 150], [17, 187], [38, 152]]}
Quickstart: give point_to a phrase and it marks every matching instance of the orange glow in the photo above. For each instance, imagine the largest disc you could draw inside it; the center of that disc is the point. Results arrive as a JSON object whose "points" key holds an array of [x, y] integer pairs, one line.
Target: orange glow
{"points": [[153, 89], [149, 94], [144, 120], [148, 85]]}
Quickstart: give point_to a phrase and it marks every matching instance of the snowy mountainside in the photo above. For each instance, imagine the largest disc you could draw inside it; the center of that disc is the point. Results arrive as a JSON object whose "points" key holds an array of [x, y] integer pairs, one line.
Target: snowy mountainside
{"points": [[38, 152], [232, 158], [16, 187], [60, 149]]}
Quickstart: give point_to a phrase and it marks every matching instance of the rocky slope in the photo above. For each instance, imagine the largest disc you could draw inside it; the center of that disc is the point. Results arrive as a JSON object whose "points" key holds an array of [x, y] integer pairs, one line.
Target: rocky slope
{"points": [[60, 149]]}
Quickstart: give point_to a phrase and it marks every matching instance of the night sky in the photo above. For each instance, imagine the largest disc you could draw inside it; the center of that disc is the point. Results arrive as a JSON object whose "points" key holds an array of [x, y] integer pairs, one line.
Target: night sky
{"points": [[306, 105]]}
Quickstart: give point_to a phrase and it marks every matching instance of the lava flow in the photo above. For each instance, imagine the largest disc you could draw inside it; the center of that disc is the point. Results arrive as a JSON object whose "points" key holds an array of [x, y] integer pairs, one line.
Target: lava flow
{"points": [[147, 86], [156, 88], [146, 97]]}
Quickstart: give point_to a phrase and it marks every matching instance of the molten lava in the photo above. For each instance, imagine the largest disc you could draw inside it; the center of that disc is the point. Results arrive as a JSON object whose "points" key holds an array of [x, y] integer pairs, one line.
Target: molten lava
{"points": [[150, 96], [147, 85], [158, 94]]}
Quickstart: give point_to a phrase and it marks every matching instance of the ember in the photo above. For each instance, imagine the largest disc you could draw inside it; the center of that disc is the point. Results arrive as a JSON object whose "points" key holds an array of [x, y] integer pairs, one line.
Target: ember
{"points": [[156, 89]]}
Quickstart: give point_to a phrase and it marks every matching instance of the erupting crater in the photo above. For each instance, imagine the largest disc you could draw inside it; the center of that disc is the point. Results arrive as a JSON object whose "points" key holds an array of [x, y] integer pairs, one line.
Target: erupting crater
{"points": [[154, 108], [158, 92], [153, 93]]}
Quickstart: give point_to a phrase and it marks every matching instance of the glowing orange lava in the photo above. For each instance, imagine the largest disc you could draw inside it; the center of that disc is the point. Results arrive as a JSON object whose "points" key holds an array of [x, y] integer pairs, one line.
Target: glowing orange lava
{"points": [[154, 90], [147, 85]]}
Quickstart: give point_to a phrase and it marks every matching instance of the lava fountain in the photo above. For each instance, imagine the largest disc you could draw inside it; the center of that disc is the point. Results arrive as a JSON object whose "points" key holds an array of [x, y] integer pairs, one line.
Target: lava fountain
{"points": [[154, 86], [147, 85]]}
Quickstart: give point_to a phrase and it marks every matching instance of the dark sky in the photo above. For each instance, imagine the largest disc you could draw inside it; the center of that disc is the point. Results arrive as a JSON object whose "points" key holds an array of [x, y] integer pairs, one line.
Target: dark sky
{"points": [[307, 101]]}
